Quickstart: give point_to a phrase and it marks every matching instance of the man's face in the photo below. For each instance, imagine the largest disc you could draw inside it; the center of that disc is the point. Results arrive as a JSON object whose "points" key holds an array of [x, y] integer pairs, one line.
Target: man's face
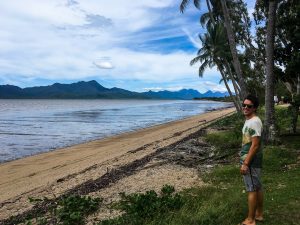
{"points": [[248, 107]]}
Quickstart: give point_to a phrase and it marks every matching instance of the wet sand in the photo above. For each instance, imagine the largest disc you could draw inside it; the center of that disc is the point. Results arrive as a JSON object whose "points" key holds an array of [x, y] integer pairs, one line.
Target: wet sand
{"points": [[54, 173]]}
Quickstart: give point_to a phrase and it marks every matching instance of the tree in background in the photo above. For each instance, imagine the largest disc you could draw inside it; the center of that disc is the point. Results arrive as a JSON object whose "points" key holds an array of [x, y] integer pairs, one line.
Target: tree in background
{"points": [[233, 49], [213, 52], [287, 52], [270, 131], [286, 49], [231, 63], [254, 57]]}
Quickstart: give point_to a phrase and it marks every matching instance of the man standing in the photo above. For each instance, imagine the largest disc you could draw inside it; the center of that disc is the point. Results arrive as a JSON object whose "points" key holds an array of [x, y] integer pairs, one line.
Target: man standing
{"points": [[251, 160]]}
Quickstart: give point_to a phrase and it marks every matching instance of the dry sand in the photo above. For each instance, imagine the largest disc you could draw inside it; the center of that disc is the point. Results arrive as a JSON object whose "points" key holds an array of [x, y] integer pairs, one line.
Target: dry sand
{"points": [[54, 173]]}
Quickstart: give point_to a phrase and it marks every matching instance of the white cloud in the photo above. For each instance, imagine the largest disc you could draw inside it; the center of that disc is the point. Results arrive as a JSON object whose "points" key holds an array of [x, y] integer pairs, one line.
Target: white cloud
{"points": [[193, 38], [58, 40], [153, 66], [103, 65], [51, 12], [214, 87]]}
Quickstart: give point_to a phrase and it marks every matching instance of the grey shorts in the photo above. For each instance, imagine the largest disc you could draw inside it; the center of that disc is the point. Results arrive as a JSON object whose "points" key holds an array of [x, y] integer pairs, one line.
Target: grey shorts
{"points": [[252, 179]]}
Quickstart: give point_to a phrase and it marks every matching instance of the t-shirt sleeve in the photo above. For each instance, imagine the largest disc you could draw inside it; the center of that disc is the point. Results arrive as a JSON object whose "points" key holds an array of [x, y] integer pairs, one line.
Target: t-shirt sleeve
{"points": [[256, 128]]}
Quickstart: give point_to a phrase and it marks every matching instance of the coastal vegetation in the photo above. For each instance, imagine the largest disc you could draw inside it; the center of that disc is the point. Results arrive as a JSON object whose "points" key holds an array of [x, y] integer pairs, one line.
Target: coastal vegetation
{"points": [[219, 201], [258, 61], [219, 99]]}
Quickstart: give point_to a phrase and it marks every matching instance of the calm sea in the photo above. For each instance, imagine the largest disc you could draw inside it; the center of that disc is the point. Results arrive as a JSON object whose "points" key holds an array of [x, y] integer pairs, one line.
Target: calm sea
{"points": [[28, 127]]}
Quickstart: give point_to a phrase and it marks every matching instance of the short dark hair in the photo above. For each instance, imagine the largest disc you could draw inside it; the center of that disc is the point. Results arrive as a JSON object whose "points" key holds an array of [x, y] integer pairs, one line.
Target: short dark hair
{"points": [[253, 99]]}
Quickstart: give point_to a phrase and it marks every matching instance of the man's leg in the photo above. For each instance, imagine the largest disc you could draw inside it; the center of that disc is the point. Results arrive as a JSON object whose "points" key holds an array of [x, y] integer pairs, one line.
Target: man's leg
{"points": [[259, 206], [255, 196], [252, 203]]}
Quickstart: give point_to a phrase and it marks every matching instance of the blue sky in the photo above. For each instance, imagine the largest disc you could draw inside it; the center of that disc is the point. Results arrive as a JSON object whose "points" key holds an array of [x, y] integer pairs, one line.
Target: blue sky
{"points": [[136, 45]]}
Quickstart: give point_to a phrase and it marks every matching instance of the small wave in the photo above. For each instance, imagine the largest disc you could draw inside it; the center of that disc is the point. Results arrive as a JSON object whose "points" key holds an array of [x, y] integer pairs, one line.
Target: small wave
{"points": [[26, 134]]}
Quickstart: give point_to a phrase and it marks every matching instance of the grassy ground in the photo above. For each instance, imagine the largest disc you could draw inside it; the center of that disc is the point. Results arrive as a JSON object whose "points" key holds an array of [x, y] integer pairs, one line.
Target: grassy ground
{"points": [[223, 200]]}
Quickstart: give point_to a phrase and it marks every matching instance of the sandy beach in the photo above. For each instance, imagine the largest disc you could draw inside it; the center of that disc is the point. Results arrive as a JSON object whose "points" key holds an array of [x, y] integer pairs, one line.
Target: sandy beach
{"points": [[57, 172]]}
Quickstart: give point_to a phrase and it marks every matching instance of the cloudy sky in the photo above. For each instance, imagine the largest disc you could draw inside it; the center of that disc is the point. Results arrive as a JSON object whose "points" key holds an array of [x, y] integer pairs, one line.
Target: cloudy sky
{"points": [[136, 45]]}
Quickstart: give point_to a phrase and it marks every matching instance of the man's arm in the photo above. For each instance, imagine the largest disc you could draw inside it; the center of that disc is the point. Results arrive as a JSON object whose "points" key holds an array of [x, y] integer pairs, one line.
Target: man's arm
{"points": [[252, 151]]}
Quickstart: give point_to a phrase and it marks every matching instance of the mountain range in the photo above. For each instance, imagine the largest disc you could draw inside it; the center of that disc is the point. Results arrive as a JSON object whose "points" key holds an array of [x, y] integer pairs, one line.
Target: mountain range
{"points": [[93, 90]]}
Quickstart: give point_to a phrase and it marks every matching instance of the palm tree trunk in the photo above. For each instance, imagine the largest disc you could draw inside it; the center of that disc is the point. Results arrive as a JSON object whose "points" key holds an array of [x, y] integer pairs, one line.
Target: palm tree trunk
{"points": [[294, 114], [295, 107], [270, 133], [232, 44], [238, 89], [298, 86], [238, 109], [235, 86]]}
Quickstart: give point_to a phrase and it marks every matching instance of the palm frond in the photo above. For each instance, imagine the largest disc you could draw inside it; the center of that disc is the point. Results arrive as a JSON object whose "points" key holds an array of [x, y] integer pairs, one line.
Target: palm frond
{"points": [[202, 68], [195, 60], [183, 5], [211, 64], [204, 19], [197, 4], [200, 51]]}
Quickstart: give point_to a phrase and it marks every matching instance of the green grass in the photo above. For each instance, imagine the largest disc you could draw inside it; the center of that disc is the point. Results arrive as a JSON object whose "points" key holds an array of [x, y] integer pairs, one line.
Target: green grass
{"points": [[227, 141], [283, 118], [234, 121], [290, 141], [223, 200]]}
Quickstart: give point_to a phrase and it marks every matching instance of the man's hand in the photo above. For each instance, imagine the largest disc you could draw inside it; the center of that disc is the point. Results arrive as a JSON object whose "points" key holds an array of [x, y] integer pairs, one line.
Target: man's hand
{"points": [[252, 151], [244, 169]]}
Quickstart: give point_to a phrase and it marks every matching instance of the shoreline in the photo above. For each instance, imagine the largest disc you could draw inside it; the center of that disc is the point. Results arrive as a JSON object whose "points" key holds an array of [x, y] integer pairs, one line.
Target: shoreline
{"points": [[35, 145], [113, 135], [63, 169]]}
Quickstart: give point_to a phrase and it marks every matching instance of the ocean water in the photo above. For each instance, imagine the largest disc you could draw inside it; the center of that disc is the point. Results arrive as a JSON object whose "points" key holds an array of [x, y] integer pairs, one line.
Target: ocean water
{"points": [[29, 127]]}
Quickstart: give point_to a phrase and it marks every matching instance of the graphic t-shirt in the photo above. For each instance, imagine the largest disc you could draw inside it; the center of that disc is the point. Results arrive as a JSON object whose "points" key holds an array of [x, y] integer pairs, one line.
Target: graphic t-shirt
{"points": [[252, 128]]}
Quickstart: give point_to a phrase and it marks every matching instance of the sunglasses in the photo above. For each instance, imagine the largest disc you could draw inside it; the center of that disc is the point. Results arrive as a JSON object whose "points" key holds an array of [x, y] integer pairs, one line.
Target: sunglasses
{"points": [[247, 106]]}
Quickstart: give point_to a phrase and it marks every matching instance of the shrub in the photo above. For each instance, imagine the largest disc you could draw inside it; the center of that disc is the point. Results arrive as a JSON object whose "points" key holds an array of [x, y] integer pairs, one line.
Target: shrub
{"points": [[71, 210], [140, 207]]}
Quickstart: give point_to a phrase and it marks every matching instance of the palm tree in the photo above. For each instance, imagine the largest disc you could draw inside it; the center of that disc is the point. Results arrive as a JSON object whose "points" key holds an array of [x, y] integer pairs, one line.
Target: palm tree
{"points": [[213, 52], [269, 125], [230, 73], [230, 36], [232, 45]]}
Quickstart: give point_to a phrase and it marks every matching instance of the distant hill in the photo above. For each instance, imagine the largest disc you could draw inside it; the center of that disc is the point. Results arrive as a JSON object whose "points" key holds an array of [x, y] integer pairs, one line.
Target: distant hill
{"points": [[80, 90], [184, 94], [93, 90]]}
